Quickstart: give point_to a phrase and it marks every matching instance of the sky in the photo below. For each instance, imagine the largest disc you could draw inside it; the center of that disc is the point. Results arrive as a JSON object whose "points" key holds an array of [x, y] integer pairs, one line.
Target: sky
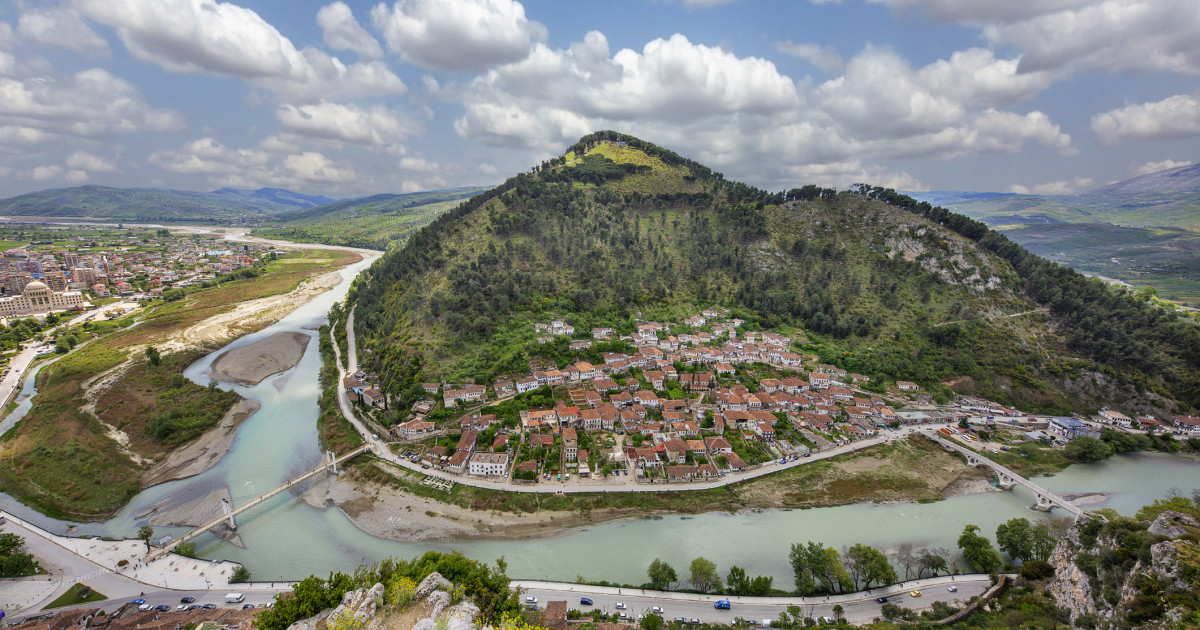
{"points": [[351, 98]]}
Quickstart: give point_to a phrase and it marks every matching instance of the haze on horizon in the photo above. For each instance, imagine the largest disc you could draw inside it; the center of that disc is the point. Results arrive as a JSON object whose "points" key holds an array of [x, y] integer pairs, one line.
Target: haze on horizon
{"points": [[356, 98]]}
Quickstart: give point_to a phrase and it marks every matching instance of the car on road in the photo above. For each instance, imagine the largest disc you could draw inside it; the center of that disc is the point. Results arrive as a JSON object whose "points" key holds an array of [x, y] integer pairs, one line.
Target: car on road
{"points": [[247, 606], [194, 607], [623, 616], [880, 600], [620, 606], [585, 601], [531, 600], [656, 609], [722, 604], [807, 454], [137, 601], [181, 607], [209, 606], [162, 608], [995, 451], [187, 600], [952, 588], [694, 621], [680, 620], [146, 607], [532, 607], [915, 594]]}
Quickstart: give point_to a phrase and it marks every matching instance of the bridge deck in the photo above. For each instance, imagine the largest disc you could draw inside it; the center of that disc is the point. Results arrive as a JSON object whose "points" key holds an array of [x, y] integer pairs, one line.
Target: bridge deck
{"points": [[165, 549]]}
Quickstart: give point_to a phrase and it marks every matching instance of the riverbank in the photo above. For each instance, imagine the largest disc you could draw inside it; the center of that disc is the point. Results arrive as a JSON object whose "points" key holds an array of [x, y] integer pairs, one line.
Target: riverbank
{"points": [[108, 421], [389, 502]]}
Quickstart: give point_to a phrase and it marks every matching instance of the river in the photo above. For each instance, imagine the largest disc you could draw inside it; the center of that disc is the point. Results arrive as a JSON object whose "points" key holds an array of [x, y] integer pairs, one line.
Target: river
{"points": [[286, 538]]}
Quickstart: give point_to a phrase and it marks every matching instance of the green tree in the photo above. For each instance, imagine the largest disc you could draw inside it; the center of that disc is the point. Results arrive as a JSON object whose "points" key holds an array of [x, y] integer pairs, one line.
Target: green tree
{"points": [[187, 549], [818, 568], [1087, 449], [1015, 538], [978, 550], [240, 574], [704, 575], [145, 533], [761, 585], [838, 611], [1042, 542], [652, 622], [661, 574], [869, 565], [152, 355], [736, 582]]}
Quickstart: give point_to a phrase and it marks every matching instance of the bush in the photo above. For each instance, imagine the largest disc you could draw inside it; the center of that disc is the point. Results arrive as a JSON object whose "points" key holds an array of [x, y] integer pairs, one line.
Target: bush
{"points": [[1036, 570], [240, 574]]}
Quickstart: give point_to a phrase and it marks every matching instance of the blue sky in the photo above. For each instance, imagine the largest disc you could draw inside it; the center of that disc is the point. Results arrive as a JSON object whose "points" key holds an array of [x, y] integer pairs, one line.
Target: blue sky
{"points": [[353, 98]]}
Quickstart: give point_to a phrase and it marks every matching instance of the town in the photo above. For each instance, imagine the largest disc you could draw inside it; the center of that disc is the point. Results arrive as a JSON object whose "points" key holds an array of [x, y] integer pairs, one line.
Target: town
{"points": [[694, 406]]}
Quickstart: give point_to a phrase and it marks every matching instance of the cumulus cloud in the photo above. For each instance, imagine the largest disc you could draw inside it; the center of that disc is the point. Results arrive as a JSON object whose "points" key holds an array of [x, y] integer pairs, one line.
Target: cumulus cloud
{"points": [[223, 39], [343, 32], [223, 166], [1061, 187], [41, 173], [92, 103], [1154, 167], [980, 11], [457, 35], [1174, 117], [1108, 35], [824, 57], [370, 126], [60, 27], [84, 161]]}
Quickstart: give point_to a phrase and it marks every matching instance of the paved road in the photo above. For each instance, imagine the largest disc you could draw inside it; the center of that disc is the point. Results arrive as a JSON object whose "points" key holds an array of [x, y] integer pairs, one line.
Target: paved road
{"points": [[11, 382], [858, 607]]}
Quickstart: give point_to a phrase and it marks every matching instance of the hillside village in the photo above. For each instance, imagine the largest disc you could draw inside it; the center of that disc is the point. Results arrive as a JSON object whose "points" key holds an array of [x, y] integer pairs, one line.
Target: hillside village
{"points": [[682, 407]]}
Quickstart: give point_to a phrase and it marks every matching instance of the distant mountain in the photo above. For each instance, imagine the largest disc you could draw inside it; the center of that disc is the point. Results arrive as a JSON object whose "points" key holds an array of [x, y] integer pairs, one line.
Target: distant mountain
{"points": [[146, 205], [279, 196], [373, 222], [1144, 230]]}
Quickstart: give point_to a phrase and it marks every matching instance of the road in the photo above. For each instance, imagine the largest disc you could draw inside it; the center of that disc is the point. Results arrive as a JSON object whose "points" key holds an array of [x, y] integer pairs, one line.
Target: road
{"points": [[11, 382], [858, 607]]}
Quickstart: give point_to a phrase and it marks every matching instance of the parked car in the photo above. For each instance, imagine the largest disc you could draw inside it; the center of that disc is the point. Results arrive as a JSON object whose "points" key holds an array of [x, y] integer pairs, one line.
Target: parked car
{"points": [[620, 606], [162, 608], [187, 600], [209, 606], [146, 607], [585, 601], [656, 609], [880, 600], [623, 616], [247, 606], [915, 594], [531, 600], [532, 607], [137, 601]]}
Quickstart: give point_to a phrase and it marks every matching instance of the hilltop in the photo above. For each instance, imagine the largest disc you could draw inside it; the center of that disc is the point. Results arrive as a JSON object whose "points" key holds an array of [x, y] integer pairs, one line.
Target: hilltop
{"points": [[618, 229]]}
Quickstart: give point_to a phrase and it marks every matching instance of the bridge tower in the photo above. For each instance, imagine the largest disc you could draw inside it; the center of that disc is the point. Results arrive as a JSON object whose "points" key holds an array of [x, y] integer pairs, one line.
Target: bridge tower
{"points": [[228, 509]]}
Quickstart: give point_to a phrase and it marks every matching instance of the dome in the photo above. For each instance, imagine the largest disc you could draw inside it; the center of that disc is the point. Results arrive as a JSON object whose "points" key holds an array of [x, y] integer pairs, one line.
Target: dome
{"points": [[36, 286]]}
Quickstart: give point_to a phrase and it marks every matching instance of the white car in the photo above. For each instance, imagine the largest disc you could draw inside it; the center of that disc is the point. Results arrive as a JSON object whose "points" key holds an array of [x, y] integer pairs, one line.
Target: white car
{"points": [[620, 606], [531, 600], [656, 609], [952, 588]]}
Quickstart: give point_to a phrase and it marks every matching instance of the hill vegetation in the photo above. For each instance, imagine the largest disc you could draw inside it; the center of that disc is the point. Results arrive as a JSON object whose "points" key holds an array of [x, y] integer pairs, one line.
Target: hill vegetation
{"points": [[871, 280], [371, 222], [144, 205]]}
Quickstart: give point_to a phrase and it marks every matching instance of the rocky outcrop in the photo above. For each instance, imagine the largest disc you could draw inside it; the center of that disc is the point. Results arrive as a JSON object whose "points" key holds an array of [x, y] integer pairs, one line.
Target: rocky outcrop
{"points": [[1171, 524], [434, 593], [364, 604], [1071, 587], [433, 598]]}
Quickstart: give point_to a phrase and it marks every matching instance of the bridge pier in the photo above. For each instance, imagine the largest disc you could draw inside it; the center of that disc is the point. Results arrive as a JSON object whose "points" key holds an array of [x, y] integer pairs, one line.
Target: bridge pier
{"points": [[1005, 482], [1044, 504], [332, 463], [228, 509]]}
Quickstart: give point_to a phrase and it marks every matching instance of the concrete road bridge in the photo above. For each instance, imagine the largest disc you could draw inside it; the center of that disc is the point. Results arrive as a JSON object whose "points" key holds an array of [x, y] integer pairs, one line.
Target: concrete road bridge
{"points": [[1046, 500]]}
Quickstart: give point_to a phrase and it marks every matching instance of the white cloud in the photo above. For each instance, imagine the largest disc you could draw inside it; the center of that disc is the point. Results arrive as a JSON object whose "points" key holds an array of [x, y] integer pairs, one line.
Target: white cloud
{"points": [[1174, 117], [84, 161], [487, 169], [76, 177], [1054, 188], [457, 35], [1108, 35], [824, 57], [42, 173], [223, 39], [343, 32], [60, 27], [1154, 167], [252, 168], [370, 126], [976, 77], [92, 103]]}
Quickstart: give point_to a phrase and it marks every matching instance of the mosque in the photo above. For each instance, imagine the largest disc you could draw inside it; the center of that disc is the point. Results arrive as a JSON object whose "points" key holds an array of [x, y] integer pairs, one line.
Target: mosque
{"points": [[38, 299]]}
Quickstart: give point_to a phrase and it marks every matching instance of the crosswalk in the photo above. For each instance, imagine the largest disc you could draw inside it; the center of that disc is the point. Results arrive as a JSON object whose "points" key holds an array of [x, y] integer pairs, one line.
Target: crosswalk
{"points": [[94, 574]]}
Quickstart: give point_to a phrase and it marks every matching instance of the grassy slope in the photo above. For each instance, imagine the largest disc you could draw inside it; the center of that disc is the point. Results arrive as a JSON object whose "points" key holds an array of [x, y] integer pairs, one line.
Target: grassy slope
{"points": [[59, 459], [373, 223], [139, 204]]}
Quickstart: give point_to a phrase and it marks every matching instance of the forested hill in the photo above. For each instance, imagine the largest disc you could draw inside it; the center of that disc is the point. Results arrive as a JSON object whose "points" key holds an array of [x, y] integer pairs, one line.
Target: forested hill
{"points": [[150, 205], [869, 279]]}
